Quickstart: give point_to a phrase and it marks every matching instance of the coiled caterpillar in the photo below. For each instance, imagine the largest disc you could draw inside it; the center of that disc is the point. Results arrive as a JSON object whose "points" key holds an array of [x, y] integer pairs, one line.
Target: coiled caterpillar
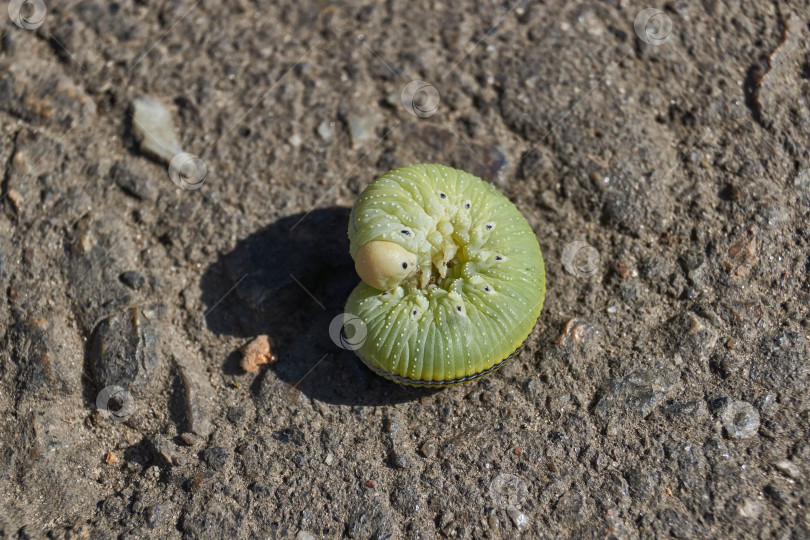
{"points": [[453, 277]]}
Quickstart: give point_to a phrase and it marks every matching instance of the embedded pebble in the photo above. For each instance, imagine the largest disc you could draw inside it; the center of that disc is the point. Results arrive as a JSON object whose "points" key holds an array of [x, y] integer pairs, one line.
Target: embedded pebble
{"points": [[132, 279], [428, 449], [520, 519], [156, 515], [197, 395], [215, 457], [372, 521], [236, 415], [741, 420], [188, 439], [325, 131], [397, 460], [154, 129], [361, 129], [788, 468], [124, 348]]}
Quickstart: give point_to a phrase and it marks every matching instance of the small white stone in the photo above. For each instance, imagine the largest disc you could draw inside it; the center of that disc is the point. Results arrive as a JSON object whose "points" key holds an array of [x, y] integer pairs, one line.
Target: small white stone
{"points": [[520, 519], [361, 129], [788, 468], [325, 131], [154, 129]]}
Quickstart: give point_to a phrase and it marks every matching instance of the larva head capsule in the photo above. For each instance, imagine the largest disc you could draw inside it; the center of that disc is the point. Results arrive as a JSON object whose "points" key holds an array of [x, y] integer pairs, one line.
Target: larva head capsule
{"points": [[384, 265]]}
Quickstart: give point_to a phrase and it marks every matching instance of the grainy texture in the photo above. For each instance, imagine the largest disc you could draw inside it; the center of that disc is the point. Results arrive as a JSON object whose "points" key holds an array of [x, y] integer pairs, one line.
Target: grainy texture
{"points": [[676, 404]]}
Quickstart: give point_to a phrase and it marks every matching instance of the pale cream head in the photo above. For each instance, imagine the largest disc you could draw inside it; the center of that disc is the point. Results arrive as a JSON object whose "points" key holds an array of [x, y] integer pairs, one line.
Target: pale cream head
{"points": [[384, 265]]}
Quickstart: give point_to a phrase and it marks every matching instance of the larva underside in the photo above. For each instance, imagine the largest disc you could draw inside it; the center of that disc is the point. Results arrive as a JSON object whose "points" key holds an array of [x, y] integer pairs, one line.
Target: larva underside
{"points": [[477, 288]]}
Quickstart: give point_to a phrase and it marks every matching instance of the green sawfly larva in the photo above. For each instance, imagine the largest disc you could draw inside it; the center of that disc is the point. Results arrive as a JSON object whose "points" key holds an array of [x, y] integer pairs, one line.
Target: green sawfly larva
{"points": [[453, 279]]}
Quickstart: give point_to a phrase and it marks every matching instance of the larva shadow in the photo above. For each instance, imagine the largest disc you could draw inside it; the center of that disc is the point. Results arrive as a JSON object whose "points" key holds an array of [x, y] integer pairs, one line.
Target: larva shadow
{"points": [[289, 280]]}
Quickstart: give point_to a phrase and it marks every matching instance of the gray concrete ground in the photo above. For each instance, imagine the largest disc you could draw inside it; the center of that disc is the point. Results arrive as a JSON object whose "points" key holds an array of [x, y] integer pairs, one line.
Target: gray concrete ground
{"points": [[659, 151]]}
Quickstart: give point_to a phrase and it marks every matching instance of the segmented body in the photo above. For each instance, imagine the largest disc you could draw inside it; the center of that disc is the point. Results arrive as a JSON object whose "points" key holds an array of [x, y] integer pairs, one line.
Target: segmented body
{"points": [[476, 291]]}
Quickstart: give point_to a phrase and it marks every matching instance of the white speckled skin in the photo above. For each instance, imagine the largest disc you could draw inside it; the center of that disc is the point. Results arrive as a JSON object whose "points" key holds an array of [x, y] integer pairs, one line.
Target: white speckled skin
{"points": [[478, 286]]}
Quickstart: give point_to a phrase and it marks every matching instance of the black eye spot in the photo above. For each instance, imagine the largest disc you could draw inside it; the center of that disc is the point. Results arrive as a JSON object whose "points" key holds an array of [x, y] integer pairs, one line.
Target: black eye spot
{"points": [[467, 206], [384, 294], [486, 289], [489, 226], [405, 232], [404, 265], [414, 312], [498, 258], [458, 308], [442, 195]]}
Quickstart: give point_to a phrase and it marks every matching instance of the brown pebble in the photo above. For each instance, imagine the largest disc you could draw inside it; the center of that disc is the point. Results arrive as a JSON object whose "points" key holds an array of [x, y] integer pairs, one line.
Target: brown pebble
{"points": [[110, 458], [624, 270], [518, 451], [731, 344], [744, 249], [257, 353], [695, 325], [428, 449], [188, 439], [196, 482], [21, 163], [16, 199], [370, 484]]}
